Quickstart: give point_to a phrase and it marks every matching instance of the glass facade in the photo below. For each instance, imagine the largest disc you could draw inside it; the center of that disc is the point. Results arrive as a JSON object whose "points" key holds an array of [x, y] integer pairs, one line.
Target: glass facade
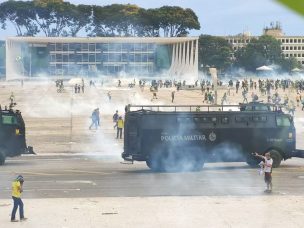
{"points": [[2, 58], [92, 59]]}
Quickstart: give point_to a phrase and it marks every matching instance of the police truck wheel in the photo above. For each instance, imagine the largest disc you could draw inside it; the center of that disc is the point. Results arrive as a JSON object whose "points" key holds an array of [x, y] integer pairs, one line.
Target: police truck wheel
{"points": [[2, 157], [154, 161], [276, 157], [199, 162]]}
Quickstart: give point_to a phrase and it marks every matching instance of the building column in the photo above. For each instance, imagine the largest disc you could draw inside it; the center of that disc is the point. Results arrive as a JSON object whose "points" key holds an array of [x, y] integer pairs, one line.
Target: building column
{"points": [[196, 60], [187, 62]]}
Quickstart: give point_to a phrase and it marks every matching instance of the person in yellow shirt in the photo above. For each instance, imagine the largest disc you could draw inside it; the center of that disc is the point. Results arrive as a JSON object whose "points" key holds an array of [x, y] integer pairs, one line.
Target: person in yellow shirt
{"points": [[120, 125], [16, 195]]}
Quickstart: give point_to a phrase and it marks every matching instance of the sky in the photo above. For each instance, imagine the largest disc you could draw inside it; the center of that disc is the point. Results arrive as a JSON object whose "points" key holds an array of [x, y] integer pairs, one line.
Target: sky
{"points": [[219, 17]]}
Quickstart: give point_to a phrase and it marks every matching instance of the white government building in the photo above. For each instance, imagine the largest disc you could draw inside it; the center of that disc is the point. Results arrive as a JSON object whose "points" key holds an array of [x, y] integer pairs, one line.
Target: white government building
{"points": [[94, 56], [292, 46]]}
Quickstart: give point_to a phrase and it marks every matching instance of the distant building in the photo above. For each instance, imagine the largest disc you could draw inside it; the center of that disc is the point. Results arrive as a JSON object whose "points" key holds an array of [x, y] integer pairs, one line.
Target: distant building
{"points": [[94, 56], [292, 46]]}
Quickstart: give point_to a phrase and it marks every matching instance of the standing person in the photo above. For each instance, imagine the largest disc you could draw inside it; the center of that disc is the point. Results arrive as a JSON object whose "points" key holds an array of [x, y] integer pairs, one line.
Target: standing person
{"points": [[224, 99], [109, 96], [244, 93], [115, 118], [172, 96], [120, 125], [267, 170], [75, 88], [94, 119], [97, 116], [17, 189], [12, 101], [12, 98], [298, 98]]}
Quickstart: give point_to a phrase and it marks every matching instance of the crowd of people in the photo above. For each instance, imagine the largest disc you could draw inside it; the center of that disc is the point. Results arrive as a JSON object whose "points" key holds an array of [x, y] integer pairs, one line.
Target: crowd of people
{"points": [[274, 91]]}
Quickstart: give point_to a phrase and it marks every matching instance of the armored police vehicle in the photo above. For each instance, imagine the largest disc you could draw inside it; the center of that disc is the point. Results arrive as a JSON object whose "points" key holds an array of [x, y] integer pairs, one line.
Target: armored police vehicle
{"points": [[12, 135], [185, 137]]}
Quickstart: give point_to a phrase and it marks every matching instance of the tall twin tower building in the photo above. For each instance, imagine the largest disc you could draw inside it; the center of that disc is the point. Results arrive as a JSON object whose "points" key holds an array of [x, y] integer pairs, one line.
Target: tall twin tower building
{"points": [[69, 57]]}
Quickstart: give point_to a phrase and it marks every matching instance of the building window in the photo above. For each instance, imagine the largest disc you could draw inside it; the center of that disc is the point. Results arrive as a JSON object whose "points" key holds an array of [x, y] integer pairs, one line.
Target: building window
{"points": [[84, 47], [291, 40], [287, 41], [65, 58], [283, 48], [91, 58], [77, 47], [58, 47], [91, 47], [299, 55], [291, 48], [58, 58], [65, 47], [287, 48], [295, 48], [287, 55], [283, 40], [299, 40], [302, 54], [302, 62], [52, 47]]}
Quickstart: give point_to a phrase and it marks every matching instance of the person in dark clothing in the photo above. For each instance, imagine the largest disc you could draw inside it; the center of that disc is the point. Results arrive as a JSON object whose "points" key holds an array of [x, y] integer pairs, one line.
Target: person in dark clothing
{"points": [[172, 96], [115, 118]]}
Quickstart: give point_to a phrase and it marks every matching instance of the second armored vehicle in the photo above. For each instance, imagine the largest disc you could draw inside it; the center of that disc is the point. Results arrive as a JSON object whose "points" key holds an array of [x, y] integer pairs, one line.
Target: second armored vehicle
{"points": [[12, 135]]}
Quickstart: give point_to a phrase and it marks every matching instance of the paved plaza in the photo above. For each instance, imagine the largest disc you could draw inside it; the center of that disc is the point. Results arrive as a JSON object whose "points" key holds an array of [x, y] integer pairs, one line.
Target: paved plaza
{"points": [[78, 179]]}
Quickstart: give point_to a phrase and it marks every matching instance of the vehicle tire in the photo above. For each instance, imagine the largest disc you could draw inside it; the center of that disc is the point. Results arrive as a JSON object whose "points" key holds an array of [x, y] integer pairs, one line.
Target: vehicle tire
{"points": [[2, 157], [276, 157], [154, 161], [199, 162]]}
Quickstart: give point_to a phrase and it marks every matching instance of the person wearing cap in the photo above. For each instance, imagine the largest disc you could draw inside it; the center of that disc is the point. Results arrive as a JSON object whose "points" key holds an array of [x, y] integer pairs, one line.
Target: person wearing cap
{"points": [[120, 125], [16, 195]]}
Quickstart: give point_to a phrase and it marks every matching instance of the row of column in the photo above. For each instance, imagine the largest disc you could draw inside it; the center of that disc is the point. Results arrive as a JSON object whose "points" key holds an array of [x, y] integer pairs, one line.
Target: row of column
{"points": [[184, 59]]}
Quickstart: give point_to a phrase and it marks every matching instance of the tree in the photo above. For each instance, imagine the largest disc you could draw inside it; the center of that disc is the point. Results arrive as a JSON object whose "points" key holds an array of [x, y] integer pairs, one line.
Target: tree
{"points": [[115, 20], [149, 23], [214, 51], [263, 51], [20, 14], [287, 65], [80, 17], [175, 21], [52, 16], [60, 18]]}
